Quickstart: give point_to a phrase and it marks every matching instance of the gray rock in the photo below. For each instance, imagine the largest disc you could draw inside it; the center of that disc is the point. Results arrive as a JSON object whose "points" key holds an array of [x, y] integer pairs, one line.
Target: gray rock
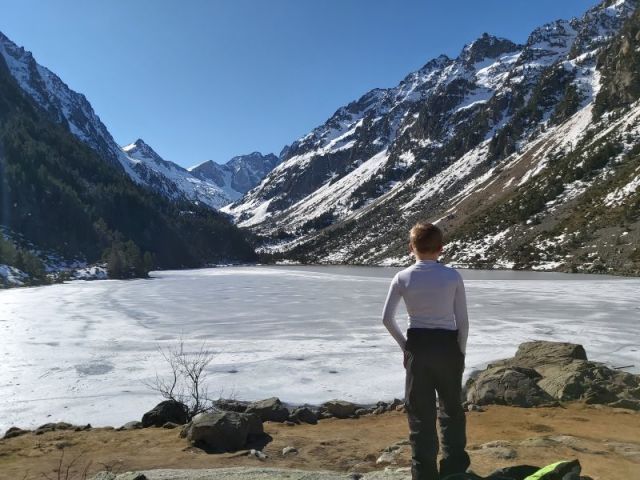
{"points": [[540, 353], [362, 411], [507, 386], [397, 446], [500, 449], [393, 406], [63, 426], [167, 411], [560, 370], [582, 379], [340, 408], [289, 451], [628, 450], [170, 425], [542, 442], [134, 425], [501, 453], [47, 427], [231, 405], [387, 458], [104, 476], [304, 415], [222, 431], [14, 432], [269, 409]]}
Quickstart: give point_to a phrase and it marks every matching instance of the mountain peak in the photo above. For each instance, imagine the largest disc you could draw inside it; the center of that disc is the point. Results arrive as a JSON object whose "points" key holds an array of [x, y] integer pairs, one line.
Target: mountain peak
{"points": [[140, 150], [240, 174], [137, 145], [201, 165], [487, 46]]}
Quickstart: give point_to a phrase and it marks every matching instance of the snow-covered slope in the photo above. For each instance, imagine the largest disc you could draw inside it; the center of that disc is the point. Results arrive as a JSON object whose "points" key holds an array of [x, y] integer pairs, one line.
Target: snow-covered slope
{"points": [[138, 160], [61, 103], [346, 191]]}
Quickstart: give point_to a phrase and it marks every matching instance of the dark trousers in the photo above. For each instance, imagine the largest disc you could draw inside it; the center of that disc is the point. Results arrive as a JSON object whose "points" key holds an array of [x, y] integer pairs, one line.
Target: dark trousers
{"points": [[435, 364]]}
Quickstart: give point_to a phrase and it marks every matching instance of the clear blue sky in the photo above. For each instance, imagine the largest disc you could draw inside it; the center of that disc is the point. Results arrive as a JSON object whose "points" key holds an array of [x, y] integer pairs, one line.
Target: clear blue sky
{"points": [[210, 79]]}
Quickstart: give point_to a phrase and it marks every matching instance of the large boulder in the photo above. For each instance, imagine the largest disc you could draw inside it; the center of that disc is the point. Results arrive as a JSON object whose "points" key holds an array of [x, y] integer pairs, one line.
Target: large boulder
{"points": [[339, 408], [560, 370], [222, 431], [507, 386], [541, 353], [269, 409], [167, 411]]}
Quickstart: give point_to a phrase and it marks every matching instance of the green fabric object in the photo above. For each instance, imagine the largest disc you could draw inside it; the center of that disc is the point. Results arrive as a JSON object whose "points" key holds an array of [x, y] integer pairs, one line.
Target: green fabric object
{"points": [[555, 471]]}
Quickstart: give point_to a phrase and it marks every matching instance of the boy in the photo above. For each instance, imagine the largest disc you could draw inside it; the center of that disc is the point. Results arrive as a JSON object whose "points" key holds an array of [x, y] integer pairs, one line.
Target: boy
{"points": [[434, 354]]}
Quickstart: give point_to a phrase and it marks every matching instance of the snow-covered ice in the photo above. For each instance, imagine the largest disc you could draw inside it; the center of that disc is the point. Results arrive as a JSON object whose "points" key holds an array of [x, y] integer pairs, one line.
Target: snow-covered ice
{"points": [[82, 351]]}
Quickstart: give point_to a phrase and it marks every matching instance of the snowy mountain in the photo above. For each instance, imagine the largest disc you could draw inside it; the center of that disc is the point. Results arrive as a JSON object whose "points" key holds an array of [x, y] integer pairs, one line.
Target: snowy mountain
{"points": [[238, 175], [138, 160], [516, 129], [171, 179], [64, 207], [62, 104]]}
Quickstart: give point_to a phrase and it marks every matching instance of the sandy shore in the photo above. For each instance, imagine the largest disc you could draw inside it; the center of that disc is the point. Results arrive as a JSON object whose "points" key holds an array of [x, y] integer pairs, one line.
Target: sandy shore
{"points": [[605, 440]]}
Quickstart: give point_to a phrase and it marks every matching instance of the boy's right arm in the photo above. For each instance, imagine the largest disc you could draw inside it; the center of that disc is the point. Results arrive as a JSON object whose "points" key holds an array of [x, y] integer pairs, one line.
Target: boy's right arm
{"points": [[389, 311]]}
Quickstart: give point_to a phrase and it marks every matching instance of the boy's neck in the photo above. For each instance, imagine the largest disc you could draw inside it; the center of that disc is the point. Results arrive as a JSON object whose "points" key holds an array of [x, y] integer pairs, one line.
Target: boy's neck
{"points": [[427, 256]]}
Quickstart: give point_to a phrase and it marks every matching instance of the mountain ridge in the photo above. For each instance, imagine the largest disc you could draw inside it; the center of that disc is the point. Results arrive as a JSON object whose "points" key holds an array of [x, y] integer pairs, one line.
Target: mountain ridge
{"points": [[63, 205], [239, 174], [72, 109], [358, 175]]}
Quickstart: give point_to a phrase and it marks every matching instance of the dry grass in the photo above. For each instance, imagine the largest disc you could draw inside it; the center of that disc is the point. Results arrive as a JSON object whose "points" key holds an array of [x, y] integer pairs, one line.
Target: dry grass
{"points": [[344, 445]]}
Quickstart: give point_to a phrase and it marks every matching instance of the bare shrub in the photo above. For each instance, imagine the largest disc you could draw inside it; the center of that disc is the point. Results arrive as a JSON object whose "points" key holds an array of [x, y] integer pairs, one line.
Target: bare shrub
{"points": [[66, 472], [186, 381]]}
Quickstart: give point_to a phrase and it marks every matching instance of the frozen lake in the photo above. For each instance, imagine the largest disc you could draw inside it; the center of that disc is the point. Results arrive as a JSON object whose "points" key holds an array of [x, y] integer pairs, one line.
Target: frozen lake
{"points": [[81, 352]]}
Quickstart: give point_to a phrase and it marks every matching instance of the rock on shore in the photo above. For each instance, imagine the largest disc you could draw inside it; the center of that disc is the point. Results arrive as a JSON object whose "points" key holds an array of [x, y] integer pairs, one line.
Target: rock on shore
{"points": [[166, 411], [543, 373], [222, 431]]}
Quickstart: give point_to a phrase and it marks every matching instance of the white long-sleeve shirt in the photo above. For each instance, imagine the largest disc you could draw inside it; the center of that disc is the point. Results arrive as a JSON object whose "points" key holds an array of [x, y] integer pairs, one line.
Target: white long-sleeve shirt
{"points": [[435, 298]]}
